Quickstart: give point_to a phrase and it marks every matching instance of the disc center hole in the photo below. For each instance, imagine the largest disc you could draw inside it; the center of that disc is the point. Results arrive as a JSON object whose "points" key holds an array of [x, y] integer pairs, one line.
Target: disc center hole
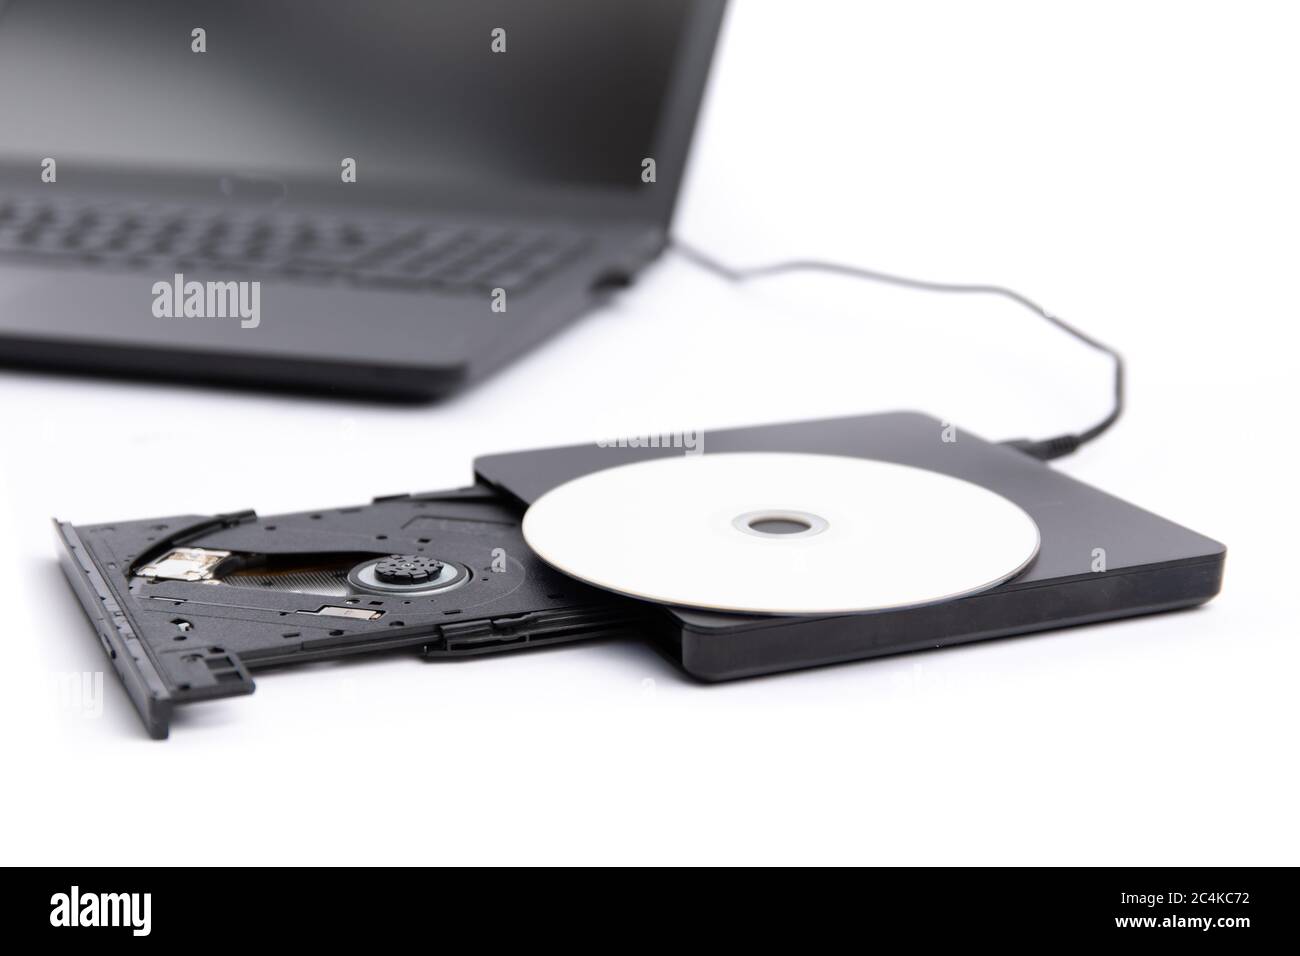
{"points": [[779, 524]]}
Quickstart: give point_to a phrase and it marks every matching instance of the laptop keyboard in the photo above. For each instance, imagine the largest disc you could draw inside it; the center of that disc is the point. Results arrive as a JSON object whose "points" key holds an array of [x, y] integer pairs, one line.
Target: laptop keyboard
{"points": [[433, 256]]}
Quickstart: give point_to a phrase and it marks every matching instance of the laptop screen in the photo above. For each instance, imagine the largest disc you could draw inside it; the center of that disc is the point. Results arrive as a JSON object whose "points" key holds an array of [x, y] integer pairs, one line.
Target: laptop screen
{"points": [[415, 91]]}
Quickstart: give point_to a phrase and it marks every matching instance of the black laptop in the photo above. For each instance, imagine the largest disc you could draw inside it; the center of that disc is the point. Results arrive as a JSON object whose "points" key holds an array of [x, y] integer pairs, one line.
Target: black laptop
{"points": [[365, 196]]}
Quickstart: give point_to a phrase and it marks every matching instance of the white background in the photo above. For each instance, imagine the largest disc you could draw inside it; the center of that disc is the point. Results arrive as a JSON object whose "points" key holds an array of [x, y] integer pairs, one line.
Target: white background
{"points": [[1132, 164]]}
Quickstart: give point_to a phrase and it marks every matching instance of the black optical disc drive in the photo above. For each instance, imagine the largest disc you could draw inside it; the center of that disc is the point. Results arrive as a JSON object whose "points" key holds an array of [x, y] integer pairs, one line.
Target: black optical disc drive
{"points": [[1100, 558]]}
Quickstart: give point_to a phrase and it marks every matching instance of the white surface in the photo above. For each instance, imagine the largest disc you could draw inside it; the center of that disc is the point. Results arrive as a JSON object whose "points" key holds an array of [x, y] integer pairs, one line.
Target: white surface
{"points": [[892, 536], [1131, 164]]}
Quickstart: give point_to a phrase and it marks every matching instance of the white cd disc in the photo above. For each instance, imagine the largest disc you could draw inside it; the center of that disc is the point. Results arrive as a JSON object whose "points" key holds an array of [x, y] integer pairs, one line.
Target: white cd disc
{"points": [[776, 533]]}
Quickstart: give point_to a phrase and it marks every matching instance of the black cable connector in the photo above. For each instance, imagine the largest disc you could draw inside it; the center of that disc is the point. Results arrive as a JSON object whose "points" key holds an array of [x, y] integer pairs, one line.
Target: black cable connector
{"points": [[1043, 449], [1047, 448]]}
